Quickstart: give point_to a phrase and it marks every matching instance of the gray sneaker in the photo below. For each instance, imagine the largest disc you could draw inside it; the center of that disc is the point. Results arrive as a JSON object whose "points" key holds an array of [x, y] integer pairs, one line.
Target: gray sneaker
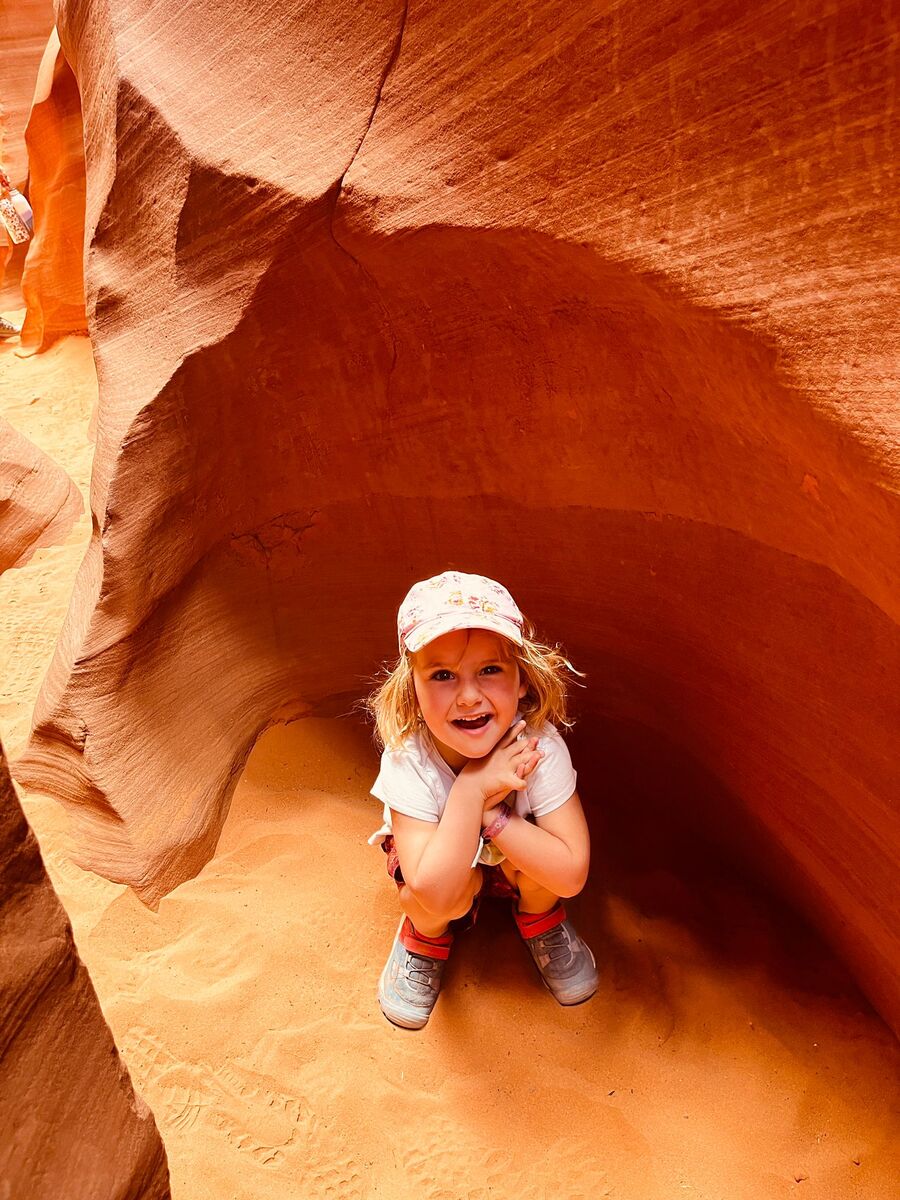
{"points": [[565, 962], [7, 329], [411, 980]]}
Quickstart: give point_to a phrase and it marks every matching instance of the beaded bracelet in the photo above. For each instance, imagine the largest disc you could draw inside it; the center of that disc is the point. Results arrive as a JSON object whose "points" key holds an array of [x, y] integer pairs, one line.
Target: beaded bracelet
{"points": [[499, 823]]}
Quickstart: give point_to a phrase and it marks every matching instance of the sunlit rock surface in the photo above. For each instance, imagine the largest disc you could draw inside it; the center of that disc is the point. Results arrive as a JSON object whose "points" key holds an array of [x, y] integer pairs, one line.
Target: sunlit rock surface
{"points": [[70, 1122], [24, 28], [53, 278], [39, 503], [594, 300]]}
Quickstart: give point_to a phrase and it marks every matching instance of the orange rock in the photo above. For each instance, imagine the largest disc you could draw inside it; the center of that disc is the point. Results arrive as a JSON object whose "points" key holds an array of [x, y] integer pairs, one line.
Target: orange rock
{"points": [[53, 278], [592, 301], [23, 34], [39, 503], [70, 1121]]}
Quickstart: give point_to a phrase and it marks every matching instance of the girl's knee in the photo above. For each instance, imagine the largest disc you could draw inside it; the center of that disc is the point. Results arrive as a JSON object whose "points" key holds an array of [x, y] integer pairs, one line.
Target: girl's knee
{"points": [[449, 912], [467, 898], [533, 893]]}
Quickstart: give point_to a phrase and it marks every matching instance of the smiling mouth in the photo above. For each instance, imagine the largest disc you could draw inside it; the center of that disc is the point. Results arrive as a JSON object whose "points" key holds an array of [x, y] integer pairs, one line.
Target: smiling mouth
{"points": [[478, 722]]}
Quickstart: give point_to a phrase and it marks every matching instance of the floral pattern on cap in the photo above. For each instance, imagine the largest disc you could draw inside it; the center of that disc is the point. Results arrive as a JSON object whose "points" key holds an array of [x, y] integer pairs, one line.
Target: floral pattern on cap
{"points": [[454, 601]]}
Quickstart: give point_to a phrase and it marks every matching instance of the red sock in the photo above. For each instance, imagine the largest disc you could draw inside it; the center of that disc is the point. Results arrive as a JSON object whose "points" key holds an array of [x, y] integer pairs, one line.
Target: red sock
{"points": [[532, 924], [419, 943]]}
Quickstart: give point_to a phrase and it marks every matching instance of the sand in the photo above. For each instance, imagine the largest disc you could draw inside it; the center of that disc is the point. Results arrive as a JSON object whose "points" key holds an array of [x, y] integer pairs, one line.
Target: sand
{"points": [[727, 1056]]}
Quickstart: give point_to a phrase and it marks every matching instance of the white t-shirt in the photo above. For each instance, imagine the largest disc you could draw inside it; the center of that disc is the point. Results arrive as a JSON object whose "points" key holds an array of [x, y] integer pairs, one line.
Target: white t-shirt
{"points": [[415, 780]]}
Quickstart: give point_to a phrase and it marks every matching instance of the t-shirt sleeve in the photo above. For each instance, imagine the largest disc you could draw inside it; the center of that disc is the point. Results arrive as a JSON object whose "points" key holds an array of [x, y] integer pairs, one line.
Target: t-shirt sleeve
{"points": [[403, 785], [554, 779]]}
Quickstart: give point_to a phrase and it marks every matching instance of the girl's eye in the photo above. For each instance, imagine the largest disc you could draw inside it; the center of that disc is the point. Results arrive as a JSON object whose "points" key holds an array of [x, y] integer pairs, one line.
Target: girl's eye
{"points": [[493, 669], [442, 676]]}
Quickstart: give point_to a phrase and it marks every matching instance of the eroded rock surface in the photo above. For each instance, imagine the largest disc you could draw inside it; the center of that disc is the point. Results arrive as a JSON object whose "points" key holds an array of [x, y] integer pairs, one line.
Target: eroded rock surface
{"points": [[70, 1122], [53, 278], [593, 300], [39, 503], [24, 27]]}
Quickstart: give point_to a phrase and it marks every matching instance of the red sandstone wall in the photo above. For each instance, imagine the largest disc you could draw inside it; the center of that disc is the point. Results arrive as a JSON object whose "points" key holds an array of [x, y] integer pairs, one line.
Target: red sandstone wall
{"points": [[594, 300], [70, 1123]]}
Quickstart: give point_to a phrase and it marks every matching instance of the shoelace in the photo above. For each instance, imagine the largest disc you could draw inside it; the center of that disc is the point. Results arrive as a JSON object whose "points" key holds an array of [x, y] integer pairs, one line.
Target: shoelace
{"points": [[420, 970], [555, 944]]}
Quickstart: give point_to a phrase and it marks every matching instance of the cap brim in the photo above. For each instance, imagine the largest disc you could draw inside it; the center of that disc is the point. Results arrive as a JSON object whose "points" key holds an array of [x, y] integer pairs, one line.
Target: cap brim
{"points": [[437, 626]]}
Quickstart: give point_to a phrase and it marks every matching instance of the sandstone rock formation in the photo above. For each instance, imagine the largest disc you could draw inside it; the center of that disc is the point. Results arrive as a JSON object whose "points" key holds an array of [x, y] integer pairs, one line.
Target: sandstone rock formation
{"points": [[39, 503], [70, 1123], [24, 28], [53, 278], [593, 300]]}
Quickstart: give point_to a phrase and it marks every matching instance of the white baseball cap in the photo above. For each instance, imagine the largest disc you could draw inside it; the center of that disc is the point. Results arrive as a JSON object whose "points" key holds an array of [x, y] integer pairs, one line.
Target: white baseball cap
{"points": [[452, 601]]}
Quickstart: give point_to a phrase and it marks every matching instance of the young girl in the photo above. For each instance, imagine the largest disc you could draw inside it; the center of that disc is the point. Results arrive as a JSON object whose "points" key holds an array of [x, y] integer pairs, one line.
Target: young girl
{"points": [[478, 790]]}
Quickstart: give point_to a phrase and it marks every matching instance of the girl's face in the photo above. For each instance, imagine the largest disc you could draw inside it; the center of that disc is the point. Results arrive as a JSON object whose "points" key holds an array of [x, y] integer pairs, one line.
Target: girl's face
{"points": [[468, 688]]}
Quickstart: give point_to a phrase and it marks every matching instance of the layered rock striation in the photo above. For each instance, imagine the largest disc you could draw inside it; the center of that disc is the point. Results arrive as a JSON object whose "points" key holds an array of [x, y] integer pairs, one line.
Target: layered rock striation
{"points": [[24, 28], [70, 1122], [594, 300], [39, 503]]}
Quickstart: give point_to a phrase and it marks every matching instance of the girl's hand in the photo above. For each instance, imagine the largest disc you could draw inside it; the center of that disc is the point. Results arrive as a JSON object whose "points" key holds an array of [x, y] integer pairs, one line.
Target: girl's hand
{"points": [[506, 768]]}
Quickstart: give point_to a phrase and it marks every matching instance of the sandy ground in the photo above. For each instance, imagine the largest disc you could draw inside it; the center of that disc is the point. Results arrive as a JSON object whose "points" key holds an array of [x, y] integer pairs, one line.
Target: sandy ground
{"points": [[726, 1057]]}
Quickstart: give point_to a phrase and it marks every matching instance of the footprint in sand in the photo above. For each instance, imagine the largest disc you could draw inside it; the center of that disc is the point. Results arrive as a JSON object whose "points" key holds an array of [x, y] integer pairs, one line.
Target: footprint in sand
{"points": [[264, 1124], [490, 1172], [252, 1118], [150, 966], [437, 1157]]}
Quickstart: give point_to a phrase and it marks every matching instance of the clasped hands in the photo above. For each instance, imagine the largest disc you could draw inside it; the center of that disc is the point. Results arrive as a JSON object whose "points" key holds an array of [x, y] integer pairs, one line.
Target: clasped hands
{"points": [[504, 770]]}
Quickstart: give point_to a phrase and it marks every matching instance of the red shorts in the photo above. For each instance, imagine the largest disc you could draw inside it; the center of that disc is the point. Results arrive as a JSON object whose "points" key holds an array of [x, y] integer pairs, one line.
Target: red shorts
{"points": [[493, 884]]}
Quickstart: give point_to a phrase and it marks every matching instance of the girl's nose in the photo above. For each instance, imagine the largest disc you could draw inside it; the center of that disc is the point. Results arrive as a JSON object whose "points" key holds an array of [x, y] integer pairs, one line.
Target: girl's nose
{"points": [[469, 693]]}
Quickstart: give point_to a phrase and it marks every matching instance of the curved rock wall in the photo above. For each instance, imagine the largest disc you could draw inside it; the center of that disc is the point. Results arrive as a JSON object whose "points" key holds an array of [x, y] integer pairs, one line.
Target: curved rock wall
{"points": [[39, 503], [53, 278], [24, 27], [70, 1123], [593, 300]]}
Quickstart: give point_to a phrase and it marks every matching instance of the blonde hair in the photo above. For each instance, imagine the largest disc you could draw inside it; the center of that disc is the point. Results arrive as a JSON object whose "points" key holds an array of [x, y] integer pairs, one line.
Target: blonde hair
{"points": [[546, 671]]}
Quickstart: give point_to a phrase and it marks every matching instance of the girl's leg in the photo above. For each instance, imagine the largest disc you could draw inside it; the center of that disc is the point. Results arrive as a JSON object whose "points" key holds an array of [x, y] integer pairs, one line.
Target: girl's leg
{"points": [[532, 897], [411, 979], [564, 961], [434, 924]]}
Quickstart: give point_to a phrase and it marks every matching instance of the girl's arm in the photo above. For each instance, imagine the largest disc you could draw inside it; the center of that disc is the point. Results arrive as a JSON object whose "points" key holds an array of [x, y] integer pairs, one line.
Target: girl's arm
{"points": [[436, 859], [555, 853]]}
